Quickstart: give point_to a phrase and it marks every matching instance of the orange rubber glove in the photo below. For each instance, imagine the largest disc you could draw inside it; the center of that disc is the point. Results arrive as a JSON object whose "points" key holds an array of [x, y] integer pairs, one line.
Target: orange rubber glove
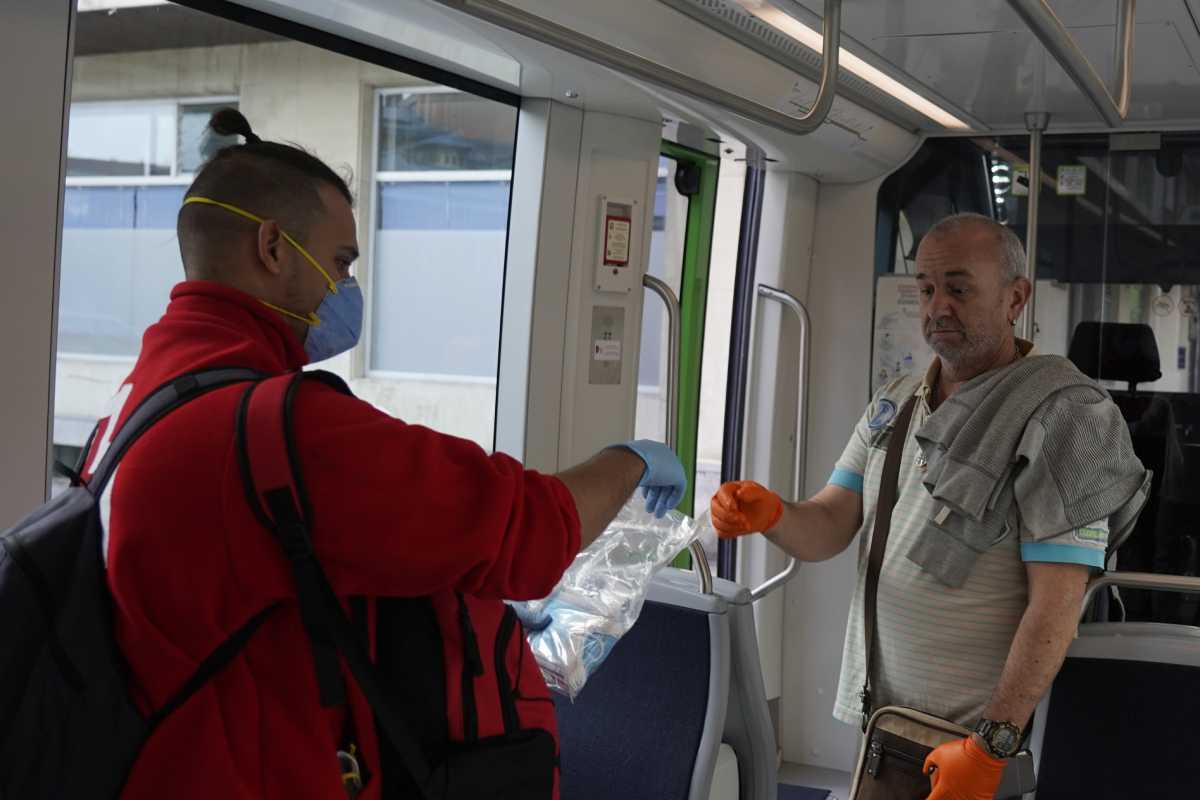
{"points": [[962, 770], [741, 507]]}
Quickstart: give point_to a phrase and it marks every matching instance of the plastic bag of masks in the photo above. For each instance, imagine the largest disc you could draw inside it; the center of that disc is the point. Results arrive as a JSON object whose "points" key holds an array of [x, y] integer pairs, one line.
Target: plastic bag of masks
{"points": [[601, 594]]}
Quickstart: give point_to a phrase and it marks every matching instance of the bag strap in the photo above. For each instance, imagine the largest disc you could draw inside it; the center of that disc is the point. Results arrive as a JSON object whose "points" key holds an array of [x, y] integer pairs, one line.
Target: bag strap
{"points": [[276, 493], [159, 403], [214, 663], [277, 496], [162, 401], [888, 493]]}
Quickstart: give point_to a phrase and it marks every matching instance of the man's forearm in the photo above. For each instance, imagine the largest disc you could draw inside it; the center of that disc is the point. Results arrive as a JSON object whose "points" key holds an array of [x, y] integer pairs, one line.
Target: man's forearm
{"points": [[820, 528], [600, 487], [1040, 645]]}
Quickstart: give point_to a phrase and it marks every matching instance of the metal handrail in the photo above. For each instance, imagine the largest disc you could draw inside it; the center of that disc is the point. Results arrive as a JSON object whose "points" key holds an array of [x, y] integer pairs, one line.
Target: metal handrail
{"points": [[1140, 580], [1123, 55], [1036, 122], [798, 459], [1059, 42], [663, 290], [643, 69]]}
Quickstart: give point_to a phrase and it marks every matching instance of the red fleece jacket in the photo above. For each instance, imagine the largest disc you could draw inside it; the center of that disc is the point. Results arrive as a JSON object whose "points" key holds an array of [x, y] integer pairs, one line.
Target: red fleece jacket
{"points": [[397, 510]]}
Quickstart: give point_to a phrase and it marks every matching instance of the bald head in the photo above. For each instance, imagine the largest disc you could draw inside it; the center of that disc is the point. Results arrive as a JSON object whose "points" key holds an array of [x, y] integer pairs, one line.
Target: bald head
{"points": [[993, 242]]}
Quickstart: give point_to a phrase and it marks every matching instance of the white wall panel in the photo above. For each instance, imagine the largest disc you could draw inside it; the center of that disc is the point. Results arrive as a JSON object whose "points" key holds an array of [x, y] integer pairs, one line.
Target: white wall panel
{"points": [[35, 53]]}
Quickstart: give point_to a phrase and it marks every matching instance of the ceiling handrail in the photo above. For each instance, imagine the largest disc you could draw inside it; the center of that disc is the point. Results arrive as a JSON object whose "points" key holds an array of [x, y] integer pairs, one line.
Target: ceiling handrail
{"points": [[643, 69], [1059, 42]]}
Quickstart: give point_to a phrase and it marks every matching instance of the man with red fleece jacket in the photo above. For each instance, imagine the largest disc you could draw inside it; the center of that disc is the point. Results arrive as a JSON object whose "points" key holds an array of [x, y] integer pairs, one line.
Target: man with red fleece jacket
{"points": [[397, 510]]}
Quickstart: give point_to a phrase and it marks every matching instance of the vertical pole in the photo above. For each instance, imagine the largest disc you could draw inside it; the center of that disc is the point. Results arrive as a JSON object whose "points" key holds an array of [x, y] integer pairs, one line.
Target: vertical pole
{"points": [[739, 345], [1036, 123]]}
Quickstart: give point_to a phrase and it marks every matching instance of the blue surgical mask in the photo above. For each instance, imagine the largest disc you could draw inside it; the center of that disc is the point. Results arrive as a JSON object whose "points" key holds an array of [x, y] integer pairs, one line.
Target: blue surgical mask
{"points": [[341, 317]]}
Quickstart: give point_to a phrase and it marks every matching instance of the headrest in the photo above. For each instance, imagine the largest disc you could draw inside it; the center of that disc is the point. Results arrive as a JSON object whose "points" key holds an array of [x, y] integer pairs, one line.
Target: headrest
{"points": [[1116, 351]]}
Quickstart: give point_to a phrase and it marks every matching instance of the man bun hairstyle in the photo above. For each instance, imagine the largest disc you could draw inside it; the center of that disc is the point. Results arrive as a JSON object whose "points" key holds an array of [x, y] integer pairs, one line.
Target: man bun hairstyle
{"points": [[231, 122], [270, 179]]}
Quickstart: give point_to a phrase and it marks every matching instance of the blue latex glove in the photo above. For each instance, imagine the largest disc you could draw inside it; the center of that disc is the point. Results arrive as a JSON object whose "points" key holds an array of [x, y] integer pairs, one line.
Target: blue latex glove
{"points": [[530, 620], [663, 481], [568, 621]]}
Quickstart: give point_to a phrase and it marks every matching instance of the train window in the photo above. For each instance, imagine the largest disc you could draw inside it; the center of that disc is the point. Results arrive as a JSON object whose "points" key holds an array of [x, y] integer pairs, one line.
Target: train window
{"points": [[128, 164], [666, 264], [430, 170], [1118, 292], [444, 168]]}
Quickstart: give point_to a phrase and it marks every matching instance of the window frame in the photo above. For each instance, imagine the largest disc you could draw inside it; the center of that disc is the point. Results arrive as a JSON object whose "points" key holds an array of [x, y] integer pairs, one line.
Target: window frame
{"points": [[176, 178]]}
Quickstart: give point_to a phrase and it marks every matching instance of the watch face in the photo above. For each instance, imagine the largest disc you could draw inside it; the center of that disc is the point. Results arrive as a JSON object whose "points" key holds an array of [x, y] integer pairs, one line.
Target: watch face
{"points": [[1005, 739]]}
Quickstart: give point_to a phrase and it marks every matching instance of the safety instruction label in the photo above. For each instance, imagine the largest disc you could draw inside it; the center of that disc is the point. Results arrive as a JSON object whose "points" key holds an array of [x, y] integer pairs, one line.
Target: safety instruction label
{"points": [[1072, 179], [616, 240], [608, 329], [606, 351]]}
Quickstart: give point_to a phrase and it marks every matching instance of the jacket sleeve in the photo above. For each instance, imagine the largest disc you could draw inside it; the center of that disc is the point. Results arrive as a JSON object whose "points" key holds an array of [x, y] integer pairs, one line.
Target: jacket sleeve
{"points": [[402, 510]]}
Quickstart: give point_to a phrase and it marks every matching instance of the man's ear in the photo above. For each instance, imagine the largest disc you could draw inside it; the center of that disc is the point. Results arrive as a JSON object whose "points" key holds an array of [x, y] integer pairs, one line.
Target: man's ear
{"points": [[1022, 289], [270, 245]]}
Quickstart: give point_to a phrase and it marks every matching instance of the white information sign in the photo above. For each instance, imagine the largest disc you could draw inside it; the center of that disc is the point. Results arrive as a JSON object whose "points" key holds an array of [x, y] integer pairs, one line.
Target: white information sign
{"points": [[606, 351], [898, 347], [1072, 179]]}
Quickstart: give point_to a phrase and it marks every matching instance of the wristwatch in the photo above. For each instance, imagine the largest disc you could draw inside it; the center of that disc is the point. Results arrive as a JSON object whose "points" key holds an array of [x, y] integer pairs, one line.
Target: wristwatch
{"points": [[1003, 739]]}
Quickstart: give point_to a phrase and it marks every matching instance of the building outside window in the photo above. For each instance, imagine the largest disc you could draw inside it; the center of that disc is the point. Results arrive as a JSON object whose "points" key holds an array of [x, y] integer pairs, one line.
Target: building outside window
{"points": [[430, 168]]}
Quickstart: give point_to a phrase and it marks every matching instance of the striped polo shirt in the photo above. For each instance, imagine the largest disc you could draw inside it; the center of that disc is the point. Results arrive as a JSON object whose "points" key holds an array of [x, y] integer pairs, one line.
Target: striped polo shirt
{"points": [[940, 650]]}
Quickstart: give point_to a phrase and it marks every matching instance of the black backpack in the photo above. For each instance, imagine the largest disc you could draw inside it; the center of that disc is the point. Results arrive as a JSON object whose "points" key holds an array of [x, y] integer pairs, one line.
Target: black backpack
{"points": [[68, 727]]}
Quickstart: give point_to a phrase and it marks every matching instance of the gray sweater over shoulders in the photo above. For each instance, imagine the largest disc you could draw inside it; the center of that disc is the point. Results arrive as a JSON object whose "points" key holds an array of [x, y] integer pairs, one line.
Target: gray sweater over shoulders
{"points": [[1038, 434]]}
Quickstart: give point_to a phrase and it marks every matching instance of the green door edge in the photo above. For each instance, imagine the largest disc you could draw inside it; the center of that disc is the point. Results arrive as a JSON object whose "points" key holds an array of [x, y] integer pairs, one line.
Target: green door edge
{"points": [[693, 302]]}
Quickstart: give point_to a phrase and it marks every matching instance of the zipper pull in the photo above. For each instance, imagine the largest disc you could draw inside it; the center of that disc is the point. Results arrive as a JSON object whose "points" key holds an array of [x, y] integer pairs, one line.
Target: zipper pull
{"points": [[874, 759]]}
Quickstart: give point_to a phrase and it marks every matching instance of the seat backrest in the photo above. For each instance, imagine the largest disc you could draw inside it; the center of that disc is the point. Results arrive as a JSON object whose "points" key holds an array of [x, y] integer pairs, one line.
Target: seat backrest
{"points": [[749, 729], [649, 721], [1121, 717], [1116, 351]]}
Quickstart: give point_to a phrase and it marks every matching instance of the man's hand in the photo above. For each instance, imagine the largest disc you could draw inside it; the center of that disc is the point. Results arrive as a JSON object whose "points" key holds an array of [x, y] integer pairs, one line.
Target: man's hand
{"points": [[741, 507], [663, 480], [962, 770]]}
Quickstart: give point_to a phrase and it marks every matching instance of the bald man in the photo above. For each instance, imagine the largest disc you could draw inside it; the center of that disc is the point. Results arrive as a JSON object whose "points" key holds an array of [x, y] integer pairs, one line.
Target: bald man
{"points": [[976, 606]]}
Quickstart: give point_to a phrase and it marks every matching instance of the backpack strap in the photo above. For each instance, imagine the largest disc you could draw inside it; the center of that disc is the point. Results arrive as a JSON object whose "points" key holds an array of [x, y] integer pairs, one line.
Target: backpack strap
{"points": [[214, 663], [162, 401], [158, 404], [276, 493]]}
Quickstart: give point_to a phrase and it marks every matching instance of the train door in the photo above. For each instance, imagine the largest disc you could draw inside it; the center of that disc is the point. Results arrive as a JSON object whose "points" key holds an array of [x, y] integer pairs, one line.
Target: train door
{"points": [[674, 314]]}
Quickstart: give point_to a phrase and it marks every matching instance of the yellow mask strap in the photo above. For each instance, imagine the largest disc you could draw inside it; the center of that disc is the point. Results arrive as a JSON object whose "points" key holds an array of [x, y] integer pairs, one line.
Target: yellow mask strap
{"points": [[311, 319]]}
